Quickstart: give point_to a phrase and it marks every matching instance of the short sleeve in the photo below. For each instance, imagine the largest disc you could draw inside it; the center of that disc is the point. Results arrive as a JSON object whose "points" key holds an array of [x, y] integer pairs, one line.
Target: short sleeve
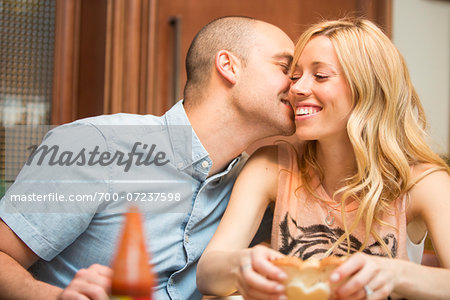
{"points": [[52, 199]]}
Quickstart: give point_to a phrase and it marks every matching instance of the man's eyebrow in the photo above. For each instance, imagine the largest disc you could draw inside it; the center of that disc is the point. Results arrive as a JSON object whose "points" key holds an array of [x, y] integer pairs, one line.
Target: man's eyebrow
{"points": [[287, 56]]}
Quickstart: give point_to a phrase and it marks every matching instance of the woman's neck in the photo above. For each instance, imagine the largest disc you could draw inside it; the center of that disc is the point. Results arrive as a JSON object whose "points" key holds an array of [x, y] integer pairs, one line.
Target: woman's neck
{"points": [[337, 162]]}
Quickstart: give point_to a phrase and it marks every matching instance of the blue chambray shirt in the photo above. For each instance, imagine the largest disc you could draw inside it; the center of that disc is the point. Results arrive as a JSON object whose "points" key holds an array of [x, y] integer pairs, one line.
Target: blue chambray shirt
{"points": [[71, 236]]}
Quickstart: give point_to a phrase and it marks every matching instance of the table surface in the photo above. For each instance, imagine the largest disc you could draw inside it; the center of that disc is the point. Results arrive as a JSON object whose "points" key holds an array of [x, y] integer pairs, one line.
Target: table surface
{"points": [[232, 297]]}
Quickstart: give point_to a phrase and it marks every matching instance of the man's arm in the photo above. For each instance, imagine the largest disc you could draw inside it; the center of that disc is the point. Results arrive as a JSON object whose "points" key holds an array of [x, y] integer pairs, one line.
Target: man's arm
{"points": [[46, 239], [15, 281]]}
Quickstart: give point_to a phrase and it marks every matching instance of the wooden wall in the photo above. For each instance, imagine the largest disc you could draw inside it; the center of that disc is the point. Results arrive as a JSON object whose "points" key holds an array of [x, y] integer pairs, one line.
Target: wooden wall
{"points": [[128, 55]]}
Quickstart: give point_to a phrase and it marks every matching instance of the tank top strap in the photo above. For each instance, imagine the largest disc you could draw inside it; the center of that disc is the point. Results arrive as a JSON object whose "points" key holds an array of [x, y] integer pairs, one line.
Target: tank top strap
{"points": [[288, 179]]}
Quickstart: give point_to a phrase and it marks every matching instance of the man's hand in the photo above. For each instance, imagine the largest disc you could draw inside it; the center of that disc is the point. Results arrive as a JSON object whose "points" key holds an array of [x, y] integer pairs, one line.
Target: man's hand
{"points": [[93, 283]]}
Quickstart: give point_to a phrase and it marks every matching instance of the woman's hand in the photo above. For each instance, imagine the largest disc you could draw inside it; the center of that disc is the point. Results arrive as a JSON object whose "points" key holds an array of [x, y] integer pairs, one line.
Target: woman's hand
{"points": [[365, 277], [258, 277]]}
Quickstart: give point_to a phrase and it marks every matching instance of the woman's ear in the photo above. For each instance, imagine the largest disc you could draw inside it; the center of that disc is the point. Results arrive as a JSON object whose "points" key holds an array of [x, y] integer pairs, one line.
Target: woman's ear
{"points": [[227, 65]]}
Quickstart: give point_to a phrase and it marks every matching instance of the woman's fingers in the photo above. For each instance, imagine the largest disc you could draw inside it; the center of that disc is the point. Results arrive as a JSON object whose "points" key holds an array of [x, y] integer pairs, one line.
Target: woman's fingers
{"points": [[256, 281], [364, 271], [258, 277], [379, 287], [363, 277], [353, 264], [262, 263]]}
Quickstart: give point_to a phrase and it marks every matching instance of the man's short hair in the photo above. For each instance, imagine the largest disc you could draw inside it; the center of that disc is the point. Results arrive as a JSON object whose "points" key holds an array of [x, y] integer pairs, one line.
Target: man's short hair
{"points": [[233, 33]]}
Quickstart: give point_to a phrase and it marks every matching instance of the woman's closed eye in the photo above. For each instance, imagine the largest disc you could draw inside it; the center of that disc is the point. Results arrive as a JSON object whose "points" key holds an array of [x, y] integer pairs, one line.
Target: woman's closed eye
{"points": [[295, 77], [318, 76], [321, 76]]}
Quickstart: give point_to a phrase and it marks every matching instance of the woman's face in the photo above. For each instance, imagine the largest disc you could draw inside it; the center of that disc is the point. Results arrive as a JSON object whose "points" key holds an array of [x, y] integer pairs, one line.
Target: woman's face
{"points": [[319, 93]]}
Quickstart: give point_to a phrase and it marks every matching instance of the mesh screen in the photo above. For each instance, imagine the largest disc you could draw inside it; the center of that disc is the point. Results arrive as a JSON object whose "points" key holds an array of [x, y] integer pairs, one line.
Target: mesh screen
{"points": [[27, 30]]}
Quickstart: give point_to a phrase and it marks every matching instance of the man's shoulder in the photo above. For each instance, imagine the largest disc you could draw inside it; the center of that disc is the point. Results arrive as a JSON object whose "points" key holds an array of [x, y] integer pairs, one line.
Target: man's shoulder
{"points": [[174, 116], [121, 119], [109, 127]]}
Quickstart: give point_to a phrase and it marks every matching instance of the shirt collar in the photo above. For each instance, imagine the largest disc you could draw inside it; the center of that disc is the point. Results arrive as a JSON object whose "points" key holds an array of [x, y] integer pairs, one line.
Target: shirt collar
{"points": [[186, 145]]}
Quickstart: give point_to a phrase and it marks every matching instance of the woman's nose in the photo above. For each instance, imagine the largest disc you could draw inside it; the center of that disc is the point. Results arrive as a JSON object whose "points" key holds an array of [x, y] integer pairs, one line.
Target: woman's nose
{"points": [[300, 87]]}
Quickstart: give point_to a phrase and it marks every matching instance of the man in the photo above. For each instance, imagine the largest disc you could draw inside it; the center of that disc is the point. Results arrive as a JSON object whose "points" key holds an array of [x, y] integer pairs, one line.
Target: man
{"points": [[236, 94]]}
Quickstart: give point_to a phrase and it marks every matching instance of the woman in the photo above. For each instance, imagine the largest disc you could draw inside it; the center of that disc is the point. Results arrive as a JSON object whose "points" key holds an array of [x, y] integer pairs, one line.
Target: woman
{"points": [[364, 182]]}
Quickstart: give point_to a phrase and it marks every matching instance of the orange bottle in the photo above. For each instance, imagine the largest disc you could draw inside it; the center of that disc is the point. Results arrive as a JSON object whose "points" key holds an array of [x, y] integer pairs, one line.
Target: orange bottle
{"points": [[132, 276]]}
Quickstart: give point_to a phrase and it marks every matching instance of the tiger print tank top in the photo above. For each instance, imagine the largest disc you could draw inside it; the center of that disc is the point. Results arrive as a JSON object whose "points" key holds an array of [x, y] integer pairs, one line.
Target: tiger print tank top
{"points": [[304, 226]]}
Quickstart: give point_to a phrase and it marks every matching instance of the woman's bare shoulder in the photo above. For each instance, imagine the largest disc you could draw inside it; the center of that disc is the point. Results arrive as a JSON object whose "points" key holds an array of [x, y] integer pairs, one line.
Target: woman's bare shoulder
{"points": [[431, 188], [261, 171], [425, 172], [266, 153]]}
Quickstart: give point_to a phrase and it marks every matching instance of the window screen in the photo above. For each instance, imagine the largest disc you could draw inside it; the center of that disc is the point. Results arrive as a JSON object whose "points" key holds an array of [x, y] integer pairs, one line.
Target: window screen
{"points": [[27, 30]]}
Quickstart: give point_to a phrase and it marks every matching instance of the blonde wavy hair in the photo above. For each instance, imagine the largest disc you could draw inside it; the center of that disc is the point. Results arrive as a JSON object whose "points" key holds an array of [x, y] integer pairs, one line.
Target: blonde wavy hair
{"points": [[386, 127]]}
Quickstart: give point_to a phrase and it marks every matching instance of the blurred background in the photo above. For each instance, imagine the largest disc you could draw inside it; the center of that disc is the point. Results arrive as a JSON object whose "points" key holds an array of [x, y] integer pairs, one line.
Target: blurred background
{"points": [[62, 60]]}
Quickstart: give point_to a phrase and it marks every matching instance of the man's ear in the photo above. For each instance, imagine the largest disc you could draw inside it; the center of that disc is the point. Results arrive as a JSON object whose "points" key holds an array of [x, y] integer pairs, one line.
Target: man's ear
{"points": [[227, 65]]}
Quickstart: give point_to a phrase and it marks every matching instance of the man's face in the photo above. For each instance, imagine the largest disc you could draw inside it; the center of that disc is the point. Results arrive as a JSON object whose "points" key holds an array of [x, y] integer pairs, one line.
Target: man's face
{"points": [[263, 87]]}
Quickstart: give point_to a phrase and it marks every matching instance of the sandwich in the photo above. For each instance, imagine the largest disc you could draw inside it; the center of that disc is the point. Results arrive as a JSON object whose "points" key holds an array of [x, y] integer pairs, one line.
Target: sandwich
{"points": [[308, 279]]}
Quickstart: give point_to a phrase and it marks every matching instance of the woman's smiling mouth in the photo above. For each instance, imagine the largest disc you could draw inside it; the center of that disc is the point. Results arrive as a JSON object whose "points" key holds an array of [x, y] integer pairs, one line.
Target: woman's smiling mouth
{"points": [[307, 110]]}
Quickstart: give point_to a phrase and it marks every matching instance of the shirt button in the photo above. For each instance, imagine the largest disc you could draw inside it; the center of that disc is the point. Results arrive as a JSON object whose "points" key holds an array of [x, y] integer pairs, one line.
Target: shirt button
{"points": [[171, 281], [180, 165], [186, 239], [205, 164]]}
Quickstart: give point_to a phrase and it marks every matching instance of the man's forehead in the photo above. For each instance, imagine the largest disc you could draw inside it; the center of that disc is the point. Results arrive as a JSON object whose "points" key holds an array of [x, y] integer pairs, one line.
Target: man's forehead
{"points": [[272, 42], [272, 53], [269, 31]]}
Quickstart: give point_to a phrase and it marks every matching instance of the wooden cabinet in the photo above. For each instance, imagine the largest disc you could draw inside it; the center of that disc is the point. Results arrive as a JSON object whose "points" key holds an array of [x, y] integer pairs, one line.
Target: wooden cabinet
{"points": [[128, 55]]}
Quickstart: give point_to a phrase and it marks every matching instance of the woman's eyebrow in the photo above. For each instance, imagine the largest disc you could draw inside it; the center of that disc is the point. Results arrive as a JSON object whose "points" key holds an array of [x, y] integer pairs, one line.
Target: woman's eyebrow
{"points": [[322, 63]]}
